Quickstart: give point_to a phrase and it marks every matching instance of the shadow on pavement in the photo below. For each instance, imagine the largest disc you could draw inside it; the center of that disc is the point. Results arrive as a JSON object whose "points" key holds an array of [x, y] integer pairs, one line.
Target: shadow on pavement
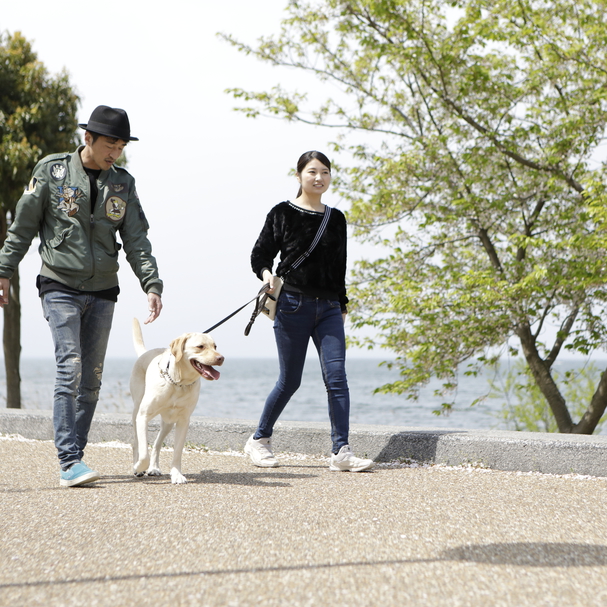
{"points": [[531, 554], [524, 554]]}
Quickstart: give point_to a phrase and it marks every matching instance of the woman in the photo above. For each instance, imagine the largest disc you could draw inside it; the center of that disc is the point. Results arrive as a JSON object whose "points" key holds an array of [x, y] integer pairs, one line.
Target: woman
{"points": [[312, 304]]}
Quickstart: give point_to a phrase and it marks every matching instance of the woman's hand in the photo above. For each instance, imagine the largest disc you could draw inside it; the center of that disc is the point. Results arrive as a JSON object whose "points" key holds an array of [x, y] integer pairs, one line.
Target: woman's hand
{"points": [[269, 278]]}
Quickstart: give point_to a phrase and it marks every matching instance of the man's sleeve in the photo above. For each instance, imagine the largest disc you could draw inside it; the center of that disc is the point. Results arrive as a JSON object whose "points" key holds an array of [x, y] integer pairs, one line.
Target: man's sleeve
{"points": [[25, 225], [138, 249]]}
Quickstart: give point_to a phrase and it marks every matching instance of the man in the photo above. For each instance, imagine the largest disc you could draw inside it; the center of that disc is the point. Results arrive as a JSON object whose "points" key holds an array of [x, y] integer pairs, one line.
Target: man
{"points": [[76, 203]]}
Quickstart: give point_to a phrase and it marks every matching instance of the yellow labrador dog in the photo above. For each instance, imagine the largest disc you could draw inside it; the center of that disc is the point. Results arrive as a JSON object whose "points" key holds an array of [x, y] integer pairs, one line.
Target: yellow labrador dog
{"points": [[166, 382]]}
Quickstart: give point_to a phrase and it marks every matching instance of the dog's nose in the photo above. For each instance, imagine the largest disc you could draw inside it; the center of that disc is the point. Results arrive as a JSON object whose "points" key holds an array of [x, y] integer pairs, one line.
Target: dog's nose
{"points": [[220, 360]]}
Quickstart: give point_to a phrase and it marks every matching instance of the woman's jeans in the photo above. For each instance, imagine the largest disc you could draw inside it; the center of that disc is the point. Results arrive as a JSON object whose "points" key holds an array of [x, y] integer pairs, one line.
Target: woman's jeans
{"points": [[298, 318], [80, 325]]}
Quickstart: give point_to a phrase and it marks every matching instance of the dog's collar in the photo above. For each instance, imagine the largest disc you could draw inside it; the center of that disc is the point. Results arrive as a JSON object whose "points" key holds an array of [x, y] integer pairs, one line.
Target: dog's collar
{"points": [[166, 375]]}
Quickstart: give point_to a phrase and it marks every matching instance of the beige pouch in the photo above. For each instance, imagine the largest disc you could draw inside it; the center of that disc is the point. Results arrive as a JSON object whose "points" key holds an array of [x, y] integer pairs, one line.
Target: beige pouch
{"points": [[269, 301]]}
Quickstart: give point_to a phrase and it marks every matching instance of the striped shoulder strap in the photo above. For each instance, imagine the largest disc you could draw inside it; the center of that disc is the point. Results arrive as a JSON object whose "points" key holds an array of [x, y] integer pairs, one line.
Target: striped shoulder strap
{"points": [[321, 231]]}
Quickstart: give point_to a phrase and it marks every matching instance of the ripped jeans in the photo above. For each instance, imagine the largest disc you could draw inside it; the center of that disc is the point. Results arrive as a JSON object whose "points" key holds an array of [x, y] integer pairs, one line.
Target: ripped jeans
{"points": [[80, 325]]}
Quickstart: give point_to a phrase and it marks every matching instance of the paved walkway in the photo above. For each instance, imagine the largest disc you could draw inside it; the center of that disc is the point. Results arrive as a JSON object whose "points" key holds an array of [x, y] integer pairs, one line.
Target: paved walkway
{"points": [[296, 535]]}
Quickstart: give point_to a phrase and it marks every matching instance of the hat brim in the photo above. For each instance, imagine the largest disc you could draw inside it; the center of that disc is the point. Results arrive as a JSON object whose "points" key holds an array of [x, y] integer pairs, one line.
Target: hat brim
{"points": [[99, 129]]}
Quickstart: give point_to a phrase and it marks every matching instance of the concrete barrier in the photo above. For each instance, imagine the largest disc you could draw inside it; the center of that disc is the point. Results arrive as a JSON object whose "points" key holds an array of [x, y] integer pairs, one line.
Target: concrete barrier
{"points": [[500, 450]]}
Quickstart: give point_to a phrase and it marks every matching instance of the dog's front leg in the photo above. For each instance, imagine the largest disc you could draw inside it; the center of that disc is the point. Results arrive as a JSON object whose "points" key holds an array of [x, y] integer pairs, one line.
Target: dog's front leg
{"points": [[135, 441], [181, 430], [143, 456], [154, 469]]}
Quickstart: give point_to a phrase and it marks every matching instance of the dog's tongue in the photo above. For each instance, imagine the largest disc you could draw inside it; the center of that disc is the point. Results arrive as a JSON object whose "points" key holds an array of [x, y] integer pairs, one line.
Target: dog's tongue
{"points": [[211, 372]]}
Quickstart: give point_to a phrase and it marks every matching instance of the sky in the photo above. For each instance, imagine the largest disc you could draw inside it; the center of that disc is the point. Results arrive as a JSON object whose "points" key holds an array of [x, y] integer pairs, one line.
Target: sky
{"points": [[206, 175]]}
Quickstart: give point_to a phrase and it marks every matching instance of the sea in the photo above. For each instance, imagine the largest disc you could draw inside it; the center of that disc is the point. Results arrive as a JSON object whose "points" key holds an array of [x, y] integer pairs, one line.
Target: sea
{"points": [[244, 384]]}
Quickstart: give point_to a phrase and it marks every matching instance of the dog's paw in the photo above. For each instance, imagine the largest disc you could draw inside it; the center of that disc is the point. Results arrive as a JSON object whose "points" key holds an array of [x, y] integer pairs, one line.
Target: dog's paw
{"points": [[140, 467], [177, 478], [154, 472], [138, 474]]}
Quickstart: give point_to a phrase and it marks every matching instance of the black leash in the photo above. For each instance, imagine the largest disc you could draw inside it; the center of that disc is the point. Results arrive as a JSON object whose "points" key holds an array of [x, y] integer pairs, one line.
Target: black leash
{"points": [[257, 310], [263, 294], [260, 304]]}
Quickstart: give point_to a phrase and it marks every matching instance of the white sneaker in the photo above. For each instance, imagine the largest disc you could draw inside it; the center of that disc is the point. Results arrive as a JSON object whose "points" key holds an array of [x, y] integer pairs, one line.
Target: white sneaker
{"points": [[260, 452], [345, 461]]}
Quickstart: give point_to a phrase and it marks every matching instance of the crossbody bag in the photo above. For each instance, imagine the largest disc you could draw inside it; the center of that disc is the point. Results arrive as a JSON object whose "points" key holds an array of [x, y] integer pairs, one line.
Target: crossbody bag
{"points": [[266, 302]]}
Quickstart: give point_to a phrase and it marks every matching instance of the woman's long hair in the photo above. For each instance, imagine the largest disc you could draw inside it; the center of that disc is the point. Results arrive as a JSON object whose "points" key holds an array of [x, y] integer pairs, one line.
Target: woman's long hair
{"points": [[305, 158]]}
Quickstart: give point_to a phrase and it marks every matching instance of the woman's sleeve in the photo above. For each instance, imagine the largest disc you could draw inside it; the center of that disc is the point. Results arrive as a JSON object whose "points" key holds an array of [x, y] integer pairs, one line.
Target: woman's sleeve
{"points": [[266, 248]]}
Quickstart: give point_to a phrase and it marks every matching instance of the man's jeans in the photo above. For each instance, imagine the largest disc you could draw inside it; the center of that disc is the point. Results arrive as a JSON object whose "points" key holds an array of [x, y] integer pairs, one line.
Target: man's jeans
{"points": [[80, 325], [297, 319]]}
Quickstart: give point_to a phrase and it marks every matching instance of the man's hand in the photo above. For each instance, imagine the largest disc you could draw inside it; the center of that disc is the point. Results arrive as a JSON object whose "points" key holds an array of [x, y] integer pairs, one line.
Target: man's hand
{"points": [[154, 306], [5, 287]]}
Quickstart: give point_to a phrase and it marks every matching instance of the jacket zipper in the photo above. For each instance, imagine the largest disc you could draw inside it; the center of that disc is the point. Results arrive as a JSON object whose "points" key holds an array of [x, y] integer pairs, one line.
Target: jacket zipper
{"points": [[92, 224]]}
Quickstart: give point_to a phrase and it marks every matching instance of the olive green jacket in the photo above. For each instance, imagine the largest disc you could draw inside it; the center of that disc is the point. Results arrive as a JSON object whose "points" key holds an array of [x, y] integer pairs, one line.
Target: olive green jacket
{"points": [[78, 243]]}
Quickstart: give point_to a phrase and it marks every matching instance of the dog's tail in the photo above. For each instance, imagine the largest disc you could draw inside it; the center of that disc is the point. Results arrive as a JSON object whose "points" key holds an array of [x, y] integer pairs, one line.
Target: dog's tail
{"points": [[138, 338]]}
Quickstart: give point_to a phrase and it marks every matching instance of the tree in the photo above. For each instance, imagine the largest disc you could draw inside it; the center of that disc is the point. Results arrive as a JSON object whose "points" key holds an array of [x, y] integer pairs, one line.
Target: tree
{"points": [[37, 117], [474, 127], [524, 406]]}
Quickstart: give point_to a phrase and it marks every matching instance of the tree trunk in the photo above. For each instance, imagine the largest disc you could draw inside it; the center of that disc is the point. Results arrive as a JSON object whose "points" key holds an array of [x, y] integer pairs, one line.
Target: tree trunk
{"points": [[12, 345], [544, 380], [595, 411]]}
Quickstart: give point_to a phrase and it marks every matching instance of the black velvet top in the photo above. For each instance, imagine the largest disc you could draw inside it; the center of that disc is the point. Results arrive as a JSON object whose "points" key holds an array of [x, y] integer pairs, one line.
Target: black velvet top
{"points": [[289, 230]]}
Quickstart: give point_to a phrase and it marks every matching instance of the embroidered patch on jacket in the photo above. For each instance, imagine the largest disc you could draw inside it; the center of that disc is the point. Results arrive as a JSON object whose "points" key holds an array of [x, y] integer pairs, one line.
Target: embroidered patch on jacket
{"points": [[58, 171], [115, 208], [67, 199], [31, 188], [117, 187]]}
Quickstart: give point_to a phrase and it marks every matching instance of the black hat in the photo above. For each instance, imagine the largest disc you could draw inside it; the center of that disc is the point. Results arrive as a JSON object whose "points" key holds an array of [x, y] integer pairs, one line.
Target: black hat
{"points": [[111, 122]]}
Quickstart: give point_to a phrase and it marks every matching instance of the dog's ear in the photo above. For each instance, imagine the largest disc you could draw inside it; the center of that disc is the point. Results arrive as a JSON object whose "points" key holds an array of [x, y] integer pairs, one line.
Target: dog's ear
{"points": [[177, 346]]}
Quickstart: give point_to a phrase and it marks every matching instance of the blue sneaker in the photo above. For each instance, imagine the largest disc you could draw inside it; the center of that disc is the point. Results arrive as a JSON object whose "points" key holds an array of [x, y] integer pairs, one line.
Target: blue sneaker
{"points": [[78, 474]]}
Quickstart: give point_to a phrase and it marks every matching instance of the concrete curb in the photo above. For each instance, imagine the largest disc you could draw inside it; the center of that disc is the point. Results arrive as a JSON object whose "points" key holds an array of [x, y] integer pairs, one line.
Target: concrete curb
{"points": [[518, 451]]}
